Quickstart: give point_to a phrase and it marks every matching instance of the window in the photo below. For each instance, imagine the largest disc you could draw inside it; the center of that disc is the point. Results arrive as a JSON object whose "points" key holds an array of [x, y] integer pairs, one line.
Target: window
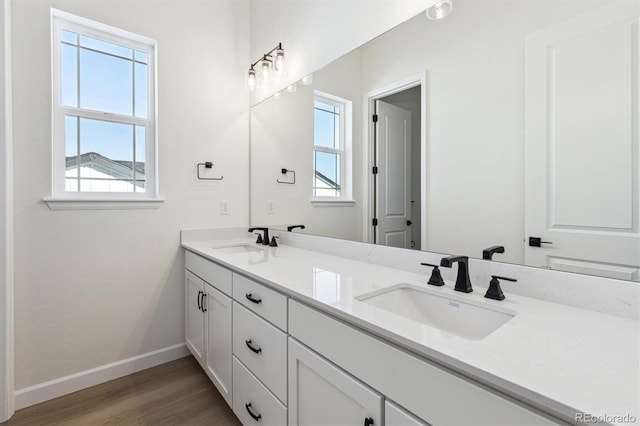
{"points": [[104, 131], [332, 147]]}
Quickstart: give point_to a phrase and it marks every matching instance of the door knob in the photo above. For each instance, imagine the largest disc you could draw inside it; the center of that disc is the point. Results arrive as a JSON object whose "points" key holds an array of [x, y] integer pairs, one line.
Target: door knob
{"points": [[537, 242], [409, 223]]}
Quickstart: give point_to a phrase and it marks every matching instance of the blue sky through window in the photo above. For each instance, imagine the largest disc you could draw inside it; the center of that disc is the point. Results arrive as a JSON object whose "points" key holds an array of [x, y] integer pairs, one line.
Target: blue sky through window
{"points": [[112, 79], [327, 134]]}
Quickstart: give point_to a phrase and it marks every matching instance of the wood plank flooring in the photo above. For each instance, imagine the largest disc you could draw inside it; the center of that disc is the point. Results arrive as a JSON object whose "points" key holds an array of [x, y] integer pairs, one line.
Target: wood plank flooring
{"points": [[176, 393]]}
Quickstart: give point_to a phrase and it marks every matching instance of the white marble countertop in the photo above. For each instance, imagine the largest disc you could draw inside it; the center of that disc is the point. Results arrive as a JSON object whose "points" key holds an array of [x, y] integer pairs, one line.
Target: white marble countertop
{"points": [[564, 359]]}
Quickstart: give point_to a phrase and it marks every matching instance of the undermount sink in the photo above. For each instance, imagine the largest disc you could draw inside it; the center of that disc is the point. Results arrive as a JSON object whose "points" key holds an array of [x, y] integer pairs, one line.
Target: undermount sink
{"points": [[470, 320], [237, 248]]}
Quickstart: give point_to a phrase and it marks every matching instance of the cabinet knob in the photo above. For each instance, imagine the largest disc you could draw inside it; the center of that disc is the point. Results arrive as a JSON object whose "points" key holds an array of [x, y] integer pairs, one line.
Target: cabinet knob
{"points": [[368, 421]]}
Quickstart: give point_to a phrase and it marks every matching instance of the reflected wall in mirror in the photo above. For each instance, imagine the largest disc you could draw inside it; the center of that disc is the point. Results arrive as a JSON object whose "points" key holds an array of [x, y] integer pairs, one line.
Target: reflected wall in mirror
{"points": [[506, 121]]}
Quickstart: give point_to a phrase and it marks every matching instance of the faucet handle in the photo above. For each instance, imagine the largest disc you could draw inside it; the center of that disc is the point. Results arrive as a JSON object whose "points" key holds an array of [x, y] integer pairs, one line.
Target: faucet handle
{"points": [[274, 243], [259, 240], [436, 278], [495, 292]]}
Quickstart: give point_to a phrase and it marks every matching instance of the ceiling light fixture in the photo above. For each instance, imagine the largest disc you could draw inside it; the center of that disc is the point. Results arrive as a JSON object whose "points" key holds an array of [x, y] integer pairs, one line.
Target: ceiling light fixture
{"points": [[273, 60], [440, 10]]}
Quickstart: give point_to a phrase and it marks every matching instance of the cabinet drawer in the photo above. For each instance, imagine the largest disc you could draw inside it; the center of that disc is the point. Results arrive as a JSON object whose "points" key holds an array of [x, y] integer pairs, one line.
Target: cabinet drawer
{"points": [[251, 398], [267, 303], [212, 273], [262, 348], [430, 392], [396, 416]]}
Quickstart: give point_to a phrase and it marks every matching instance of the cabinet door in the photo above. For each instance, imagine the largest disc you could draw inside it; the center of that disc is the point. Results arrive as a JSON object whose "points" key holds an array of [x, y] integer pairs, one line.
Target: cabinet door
{"points": [[194, 317], [217, 308], [397, 416], [322, 394]]}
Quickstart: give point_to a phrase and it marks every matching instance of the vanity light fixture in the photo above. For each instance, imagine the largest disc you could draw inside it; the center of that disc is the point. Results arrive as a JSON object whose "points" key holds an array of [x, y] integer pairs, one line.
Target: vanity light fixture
{"points": [[440, 10], [307, 80], [292, 88], [274, 59]]}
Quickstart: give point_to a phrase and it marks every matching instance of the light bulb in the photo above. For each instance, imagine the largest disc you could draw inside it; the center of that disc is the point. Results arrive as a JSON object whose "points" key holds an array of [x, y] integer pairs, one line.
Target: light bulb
{"points": [[440, 10], [307, 80], [279, 60], [292, 88], [251, 79], [266, 68]]}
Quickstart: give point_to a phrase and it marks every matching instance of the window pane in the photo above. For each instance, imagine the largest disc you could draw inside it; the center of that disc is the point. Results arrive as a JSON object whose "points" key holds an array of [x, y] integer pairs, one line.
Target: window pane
{"points": [[141, 57], [140, 159], [327, 174], [69, 37], [141, 90], [69, 77], [71, 153], [106, 83], [106, 47], [324, 128], [336, 130], [106, 156]]}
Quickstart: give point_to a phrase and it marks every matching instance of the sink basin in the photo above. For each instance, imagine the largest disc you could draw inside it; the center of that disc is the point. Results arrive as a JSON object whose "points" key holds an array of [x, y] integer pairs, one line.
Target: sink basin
{"points": [[237, 248], [470, 320]]}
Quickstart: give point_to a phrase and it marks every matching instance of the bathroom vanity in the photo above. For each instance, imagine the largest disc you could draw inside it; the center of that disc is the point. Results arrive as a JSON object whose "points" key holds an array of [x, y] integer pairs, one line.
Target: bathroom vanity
{"points": [[290, 335]]}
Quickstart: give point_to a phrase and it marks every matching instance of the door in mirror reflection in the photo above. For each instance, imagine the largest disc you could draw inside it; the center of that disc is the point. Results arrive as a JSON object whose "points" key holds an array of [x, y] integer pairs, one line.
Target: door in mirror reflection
{"points": [[582, 144], [393, 180]]}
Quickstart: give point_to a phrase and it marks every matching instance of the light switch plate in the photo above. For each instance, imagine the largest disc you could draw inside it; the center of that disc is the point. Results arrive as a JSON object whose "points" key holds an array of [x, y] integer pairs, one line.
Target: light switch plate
{"points": [[271, 207], [224, 207]]}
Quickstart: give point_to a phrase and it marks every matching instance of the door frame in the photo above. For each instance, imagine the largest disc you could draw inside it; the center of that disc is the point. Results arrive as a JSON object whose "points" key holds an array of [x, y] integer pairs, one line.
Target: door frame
{"points": [[7, 406], [370, 195]]}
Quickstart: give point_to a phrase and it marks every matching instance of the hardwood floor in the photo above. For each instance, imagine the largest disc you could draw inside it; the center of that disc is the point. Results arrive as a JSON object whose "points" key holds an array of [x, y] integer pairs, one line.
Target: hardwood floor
{"points": [[176, 393]]}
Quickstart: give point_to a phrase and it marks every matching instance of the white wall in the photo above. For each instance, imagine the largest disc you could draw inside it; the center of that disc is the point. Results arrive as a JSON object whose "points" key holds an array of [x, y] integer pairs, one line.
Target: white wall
{"points": [[94, 287], [6, 219], [316, 32]]}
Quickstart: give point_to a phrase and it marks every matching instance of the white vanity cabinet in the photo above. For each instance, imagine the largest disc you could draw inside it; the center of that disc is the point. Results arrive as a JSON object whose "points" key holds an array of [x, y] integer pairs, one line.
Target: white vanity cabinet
{"points": [[322, 394], [395, 415], [278, 361], [194, 318], [208, 319], [434, 394]]}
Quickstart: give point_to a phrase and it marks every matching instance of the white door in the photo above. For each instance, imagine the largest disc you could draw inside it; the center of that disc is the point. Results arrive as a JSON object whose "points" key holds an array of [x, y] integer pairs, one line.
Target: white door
{"points": [[393, 149], [217, 307], [194, 317], [322, 394], [581, 144]]}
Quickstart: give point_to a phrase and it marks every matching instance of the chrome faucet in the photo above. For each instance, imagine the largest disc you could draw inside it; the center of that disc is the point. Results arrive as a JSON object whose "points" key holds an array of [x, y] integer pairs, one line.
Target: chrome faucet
{"points": [[463, 282]]}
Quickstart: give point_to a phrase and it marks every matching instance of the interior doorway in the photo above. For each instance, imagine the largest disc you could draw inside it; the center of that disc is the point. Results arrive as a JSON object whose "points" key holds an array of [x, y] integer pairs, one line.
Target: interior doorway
{"points": [[396, 181]]}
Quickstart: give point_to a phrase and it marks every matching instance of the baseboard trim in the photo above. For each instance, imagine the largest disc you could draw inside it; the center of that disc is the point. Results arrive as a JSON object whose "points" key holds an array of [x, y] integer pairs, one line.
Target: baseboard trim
{"points": [[85, 379]]}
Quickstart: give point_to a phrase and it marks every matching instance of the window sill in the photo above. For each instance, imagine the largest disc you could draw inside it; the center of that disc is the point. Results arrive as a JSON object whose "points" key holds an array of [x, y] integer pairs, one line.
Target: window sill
{"points": [[103, 203], [328, 202]]}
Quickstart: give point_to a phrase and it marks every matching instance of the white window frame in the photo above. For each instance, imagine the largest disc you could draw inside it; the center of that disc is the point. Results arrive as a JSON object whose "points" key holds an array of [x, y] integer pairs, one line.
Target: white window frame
{"points": [[60, 198], [346, 137]]}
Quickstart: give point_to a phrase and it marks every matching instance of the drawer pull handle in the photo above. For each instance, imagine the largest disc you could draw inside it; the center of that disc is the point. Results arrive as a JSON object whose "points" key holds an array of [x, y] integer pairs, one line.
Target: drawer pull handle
{"points": [[199, 302], [256, 417], [252, 347], [368, 421], [204, 307], [253, 299]]}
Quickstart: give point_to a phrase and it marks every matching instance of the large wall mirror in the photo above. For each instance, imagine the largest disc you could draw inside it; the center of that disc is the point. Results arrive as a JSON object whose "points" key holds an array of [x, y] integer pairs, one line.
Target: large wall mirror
{"points": [[510, 123]]}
